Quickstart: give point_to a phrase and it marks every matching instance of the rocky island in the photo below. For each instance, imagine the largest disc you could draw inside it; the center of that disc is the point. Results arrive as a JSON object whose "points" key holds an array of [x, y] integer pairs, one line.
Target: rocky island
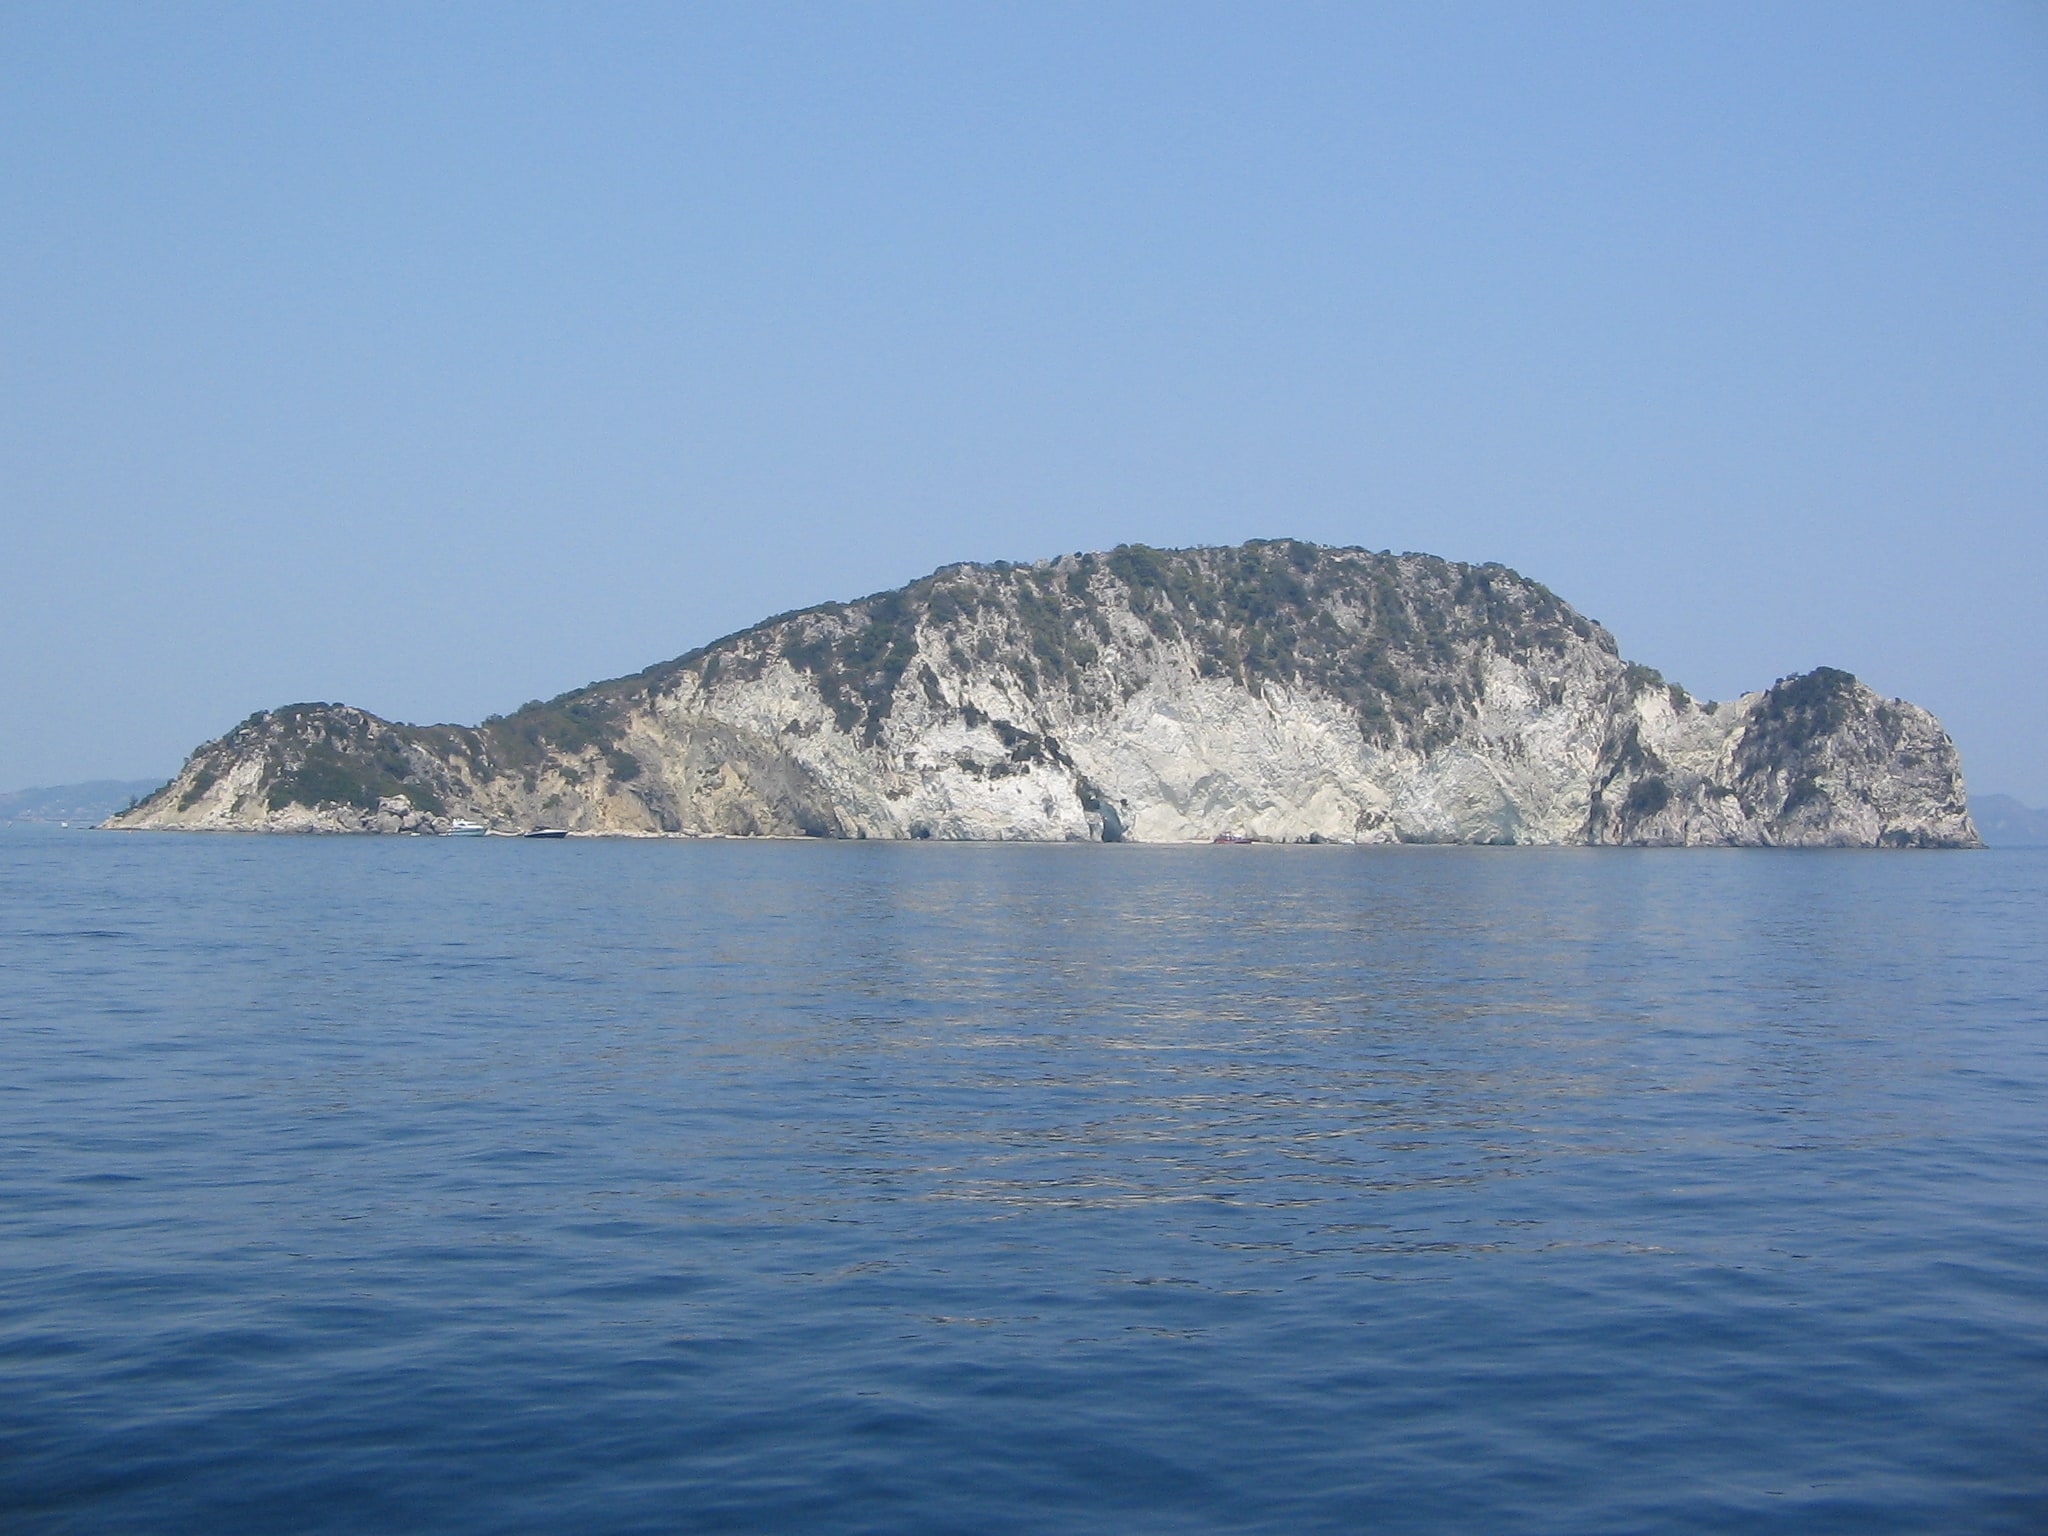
{"points": [[1278, 690]]}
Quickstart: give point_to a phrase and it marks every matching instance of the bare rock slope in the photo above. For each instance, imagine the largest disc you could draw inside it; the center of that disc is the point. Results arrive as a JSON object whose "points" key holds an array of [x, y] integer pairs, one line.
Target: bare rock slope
{"points": [[1278, 690]]}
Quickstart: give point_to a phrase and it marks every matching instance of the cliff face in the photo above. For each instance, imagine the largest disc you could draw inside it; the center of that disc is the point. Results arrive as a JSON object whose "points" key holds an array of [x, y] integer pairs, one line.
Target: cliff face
{"points": [[1278, 690]]}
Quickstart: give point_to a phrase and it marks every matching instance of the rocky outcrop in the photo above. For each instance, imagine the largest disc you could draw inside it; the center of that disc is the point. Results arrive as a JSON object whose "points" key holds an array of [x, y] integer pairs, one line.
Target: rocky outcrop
{"points": [[1278, 691]]}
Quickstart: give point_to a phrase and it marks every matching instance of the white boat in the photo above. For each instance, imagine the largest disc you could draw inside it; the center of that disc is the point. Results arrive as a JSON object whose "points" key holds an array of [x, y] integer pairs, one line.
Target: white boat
{"points": [[460, 828]]}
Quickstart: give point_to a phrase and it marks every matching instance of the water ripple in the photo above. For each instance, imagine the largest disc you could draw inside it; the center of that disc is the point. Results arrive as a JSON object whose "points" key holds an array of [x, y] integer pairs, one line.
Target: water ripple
{"points": [[401, 1184]]}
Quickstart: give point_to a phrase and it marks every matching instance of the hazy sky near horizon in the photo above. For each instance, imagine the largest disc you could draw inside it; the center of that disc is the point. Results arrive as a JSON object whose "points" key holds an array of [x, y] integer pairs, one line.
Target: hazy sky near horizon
{"points": [[435, 358]]}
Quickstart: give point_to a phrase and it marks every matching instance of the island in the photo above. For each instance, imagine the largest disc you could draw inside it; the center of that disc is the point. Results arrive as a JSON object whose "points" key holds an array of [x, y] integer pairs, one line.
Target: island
{"points": [[1277, 691]]}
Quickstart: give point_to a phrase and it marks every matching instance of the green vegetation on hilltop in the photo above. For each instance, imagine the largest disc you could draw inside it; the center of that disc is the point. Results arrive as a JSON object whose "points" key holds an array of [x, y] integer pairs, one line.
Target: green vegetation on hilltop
{"points": [[1798, 714], [327, 754], [1398, 638]]}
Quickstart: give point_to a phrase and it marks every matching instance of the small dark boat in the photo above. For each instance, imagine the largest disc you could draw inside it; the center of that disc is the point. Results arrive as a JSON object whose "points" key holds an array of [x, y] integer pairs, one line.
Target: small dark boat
{"points": [[546, 832]]}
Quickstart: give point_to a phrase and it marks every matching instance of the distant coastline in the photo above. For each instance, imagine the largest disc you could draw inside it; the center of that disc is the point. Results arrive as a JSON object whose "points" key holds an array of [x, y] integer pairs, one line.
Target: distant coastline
{"points": [[2004, 822], [90, 802]]}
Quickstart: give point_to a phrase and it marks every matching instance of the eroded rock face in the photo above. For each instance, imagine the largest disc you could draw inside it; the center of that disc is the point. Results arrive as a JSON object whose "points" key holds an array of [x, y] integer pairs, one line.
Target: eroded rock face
{"points": [[1278, 690]]}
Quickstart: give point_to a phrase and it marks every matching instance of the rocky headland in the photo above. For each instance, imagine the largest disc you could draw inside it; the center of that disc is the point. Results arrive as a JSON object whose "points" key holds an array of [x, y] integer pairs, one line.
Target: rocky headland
{"points": [[1278, 690]]}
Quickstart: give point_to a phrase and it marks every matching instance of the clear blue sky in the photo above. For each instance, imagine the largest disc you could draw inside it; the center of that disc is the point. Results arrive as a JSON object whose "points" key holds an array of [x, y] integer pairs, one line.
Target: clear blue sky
{"points": [[436, 357]]}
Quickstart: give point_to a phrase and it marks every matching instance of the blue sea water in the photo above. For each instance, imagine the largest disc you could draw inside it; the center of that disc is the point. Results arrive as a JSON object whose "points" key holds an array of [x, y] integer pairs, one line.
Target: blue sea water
{"points": [[489, 1186]]}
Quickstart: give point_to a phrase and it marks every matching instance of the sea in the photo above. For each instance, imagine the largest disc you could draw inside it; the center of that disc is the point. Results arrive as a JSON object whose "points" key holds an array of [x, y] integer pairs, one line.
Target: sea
{"points": [[439, 1185]]}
